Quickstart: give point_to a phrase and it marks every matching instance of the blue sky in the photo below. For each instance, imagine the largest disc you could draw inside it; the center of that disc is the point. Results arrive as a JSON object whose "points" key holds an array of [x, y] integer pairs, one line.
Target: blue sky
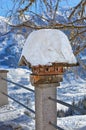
{"points": [[70, 3], [6, 6]]}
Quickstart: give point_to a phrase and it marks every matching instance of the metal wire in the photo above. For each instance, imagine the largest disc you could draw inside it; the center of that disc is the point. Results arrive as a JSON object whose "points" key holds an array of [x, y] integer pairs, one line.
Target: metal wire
{"points": [[18, 102], [68, 105], [17, 84], [55, 126]]}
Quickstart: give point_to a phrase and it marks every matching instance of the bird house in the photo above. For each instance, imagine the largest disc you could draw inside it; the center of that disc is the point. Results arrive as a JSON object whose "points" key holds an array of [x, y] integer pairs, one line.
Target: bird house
{"points": [[47, 52]]}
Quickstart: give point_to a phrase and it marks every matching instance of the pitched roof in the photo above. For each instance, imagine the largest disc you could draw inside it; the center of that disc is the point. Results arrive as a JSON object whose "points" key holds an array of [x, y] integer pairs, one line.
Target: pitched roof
{"points": [[47, 46]]}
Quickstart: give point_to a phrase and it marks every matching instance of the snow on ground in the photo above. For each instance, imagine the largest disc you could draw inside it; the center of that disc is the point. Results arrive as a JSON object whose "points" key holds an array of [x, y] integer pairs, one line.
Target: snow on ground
{"points": [[47, 46], [72, 88], [72, 123], [14, 114]]}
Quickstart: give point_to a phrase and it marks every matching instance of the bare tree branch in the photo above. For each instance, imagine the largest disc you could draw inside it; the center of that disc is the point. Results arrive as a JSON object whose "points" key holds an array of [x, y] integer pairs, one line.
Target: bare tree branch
{"points": [[77, 20], [76, 35], [78, 50], [76, 7], [56, 7]]}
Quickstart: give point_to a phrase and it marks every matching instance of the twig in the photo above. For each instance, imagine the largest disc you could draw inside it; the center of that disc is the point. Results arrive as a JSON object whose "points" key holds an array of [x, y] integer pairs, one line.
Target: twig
{"points": [[75, 8], [79, 50], [78, 33]]}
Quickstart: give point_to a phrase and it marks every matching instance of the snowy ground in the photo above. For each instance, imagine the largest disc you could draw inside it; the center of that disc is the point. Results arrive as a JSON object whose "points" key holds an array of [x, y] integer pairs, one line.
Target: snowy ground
{"points": [[14, 114]]}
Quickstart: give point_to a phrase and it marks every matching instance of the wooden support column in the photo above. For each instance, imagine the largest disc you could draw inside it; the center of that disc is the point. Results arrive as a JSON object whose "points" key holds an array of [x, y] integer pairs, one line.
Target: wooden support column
{"points": [[45, 109], [3, 88]]}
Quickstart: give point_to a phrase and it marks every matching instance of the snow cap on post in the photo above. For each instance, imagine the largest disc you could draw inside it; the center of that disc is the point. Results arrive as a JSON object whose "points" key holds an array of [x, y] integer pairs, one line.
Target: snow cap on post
{"points": [[46, 47]]}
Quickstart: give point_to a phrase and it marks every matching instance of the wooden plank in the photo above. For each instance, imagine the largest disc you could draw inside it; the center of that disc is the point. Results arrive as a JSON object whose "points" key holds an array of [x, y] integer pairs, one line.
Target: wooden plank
{"points": [[45, 79], [47, 70]]}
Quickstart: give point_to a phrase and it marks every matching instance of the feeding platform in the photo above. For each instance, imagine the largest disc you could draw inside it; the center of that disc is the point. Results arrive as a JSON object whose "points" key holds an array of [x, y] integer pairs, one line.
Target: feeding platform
{"points": [[47, 52]]}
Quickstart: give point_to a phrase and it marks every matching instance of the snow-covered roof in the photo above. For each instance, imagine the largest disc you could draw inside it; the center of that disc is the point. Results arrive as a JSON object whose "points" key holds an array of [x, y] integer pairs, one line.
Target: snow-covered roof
{"points": [[47, 46]]}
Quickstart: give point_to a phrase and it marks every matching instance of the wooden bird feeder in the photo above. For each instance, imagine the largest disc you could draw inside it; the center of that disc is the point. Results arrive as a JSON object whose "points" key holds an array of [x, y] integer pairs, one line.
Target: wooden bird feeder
{"points": [[47, 70], [50, 71], [46, 73]]}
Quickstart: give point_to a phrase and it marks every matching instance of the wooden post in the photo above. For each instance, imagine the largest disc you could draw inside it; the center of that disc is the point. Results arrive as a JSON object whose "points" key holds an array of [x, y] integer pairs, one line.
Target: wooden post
{"points": [[3, 88], [45, 109]]}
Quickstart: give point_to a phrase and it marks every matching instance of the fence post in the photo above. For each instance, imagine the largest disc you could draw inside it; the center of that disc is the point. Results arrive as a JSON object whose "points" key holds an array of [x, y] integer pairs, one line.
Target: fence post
{"points": [[3, 88], [45, 109]]}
